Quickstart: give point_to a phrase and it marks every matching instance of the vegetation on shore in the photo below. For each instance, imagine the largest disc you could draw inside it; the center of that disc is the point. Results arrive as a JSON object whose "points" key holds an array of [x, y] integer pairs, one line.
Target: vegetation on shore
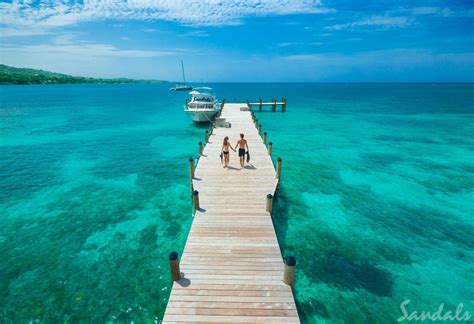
{"points": [[13, 75]]}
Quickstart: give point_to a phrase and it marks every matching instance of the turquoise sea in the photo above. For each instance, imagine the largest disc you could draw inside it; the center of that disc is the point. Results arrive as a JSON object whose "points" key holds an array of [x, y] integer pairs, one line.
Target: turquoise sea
{"points": [[376, 200]]}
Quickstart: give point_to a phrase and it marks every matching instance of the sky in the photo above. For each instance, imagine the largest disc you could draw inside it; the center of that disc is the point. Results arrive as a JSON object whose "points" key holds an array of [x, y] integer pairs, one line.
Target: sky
{"points": [[243, 40]]}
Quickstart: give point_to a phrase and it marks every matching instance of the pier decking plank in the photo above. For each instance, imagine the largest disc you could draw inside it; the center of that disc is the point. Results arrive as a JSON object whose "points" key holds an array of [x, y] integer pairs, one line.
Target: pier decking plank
{"points": [[231, 265]]}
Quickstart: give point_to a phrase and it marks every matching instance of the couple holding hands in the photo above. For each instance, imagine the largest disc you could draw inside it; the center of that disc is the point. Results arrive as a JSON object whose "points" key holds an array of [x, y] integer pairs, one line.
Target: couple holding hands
{"points": [[241, 145]]}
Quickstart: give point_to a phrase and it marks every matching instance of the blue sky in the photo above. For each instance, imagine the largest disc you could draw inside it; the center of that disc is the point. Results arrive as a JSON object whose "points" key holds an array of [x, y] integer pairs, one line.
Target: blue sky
{"points": [[237, 40]]}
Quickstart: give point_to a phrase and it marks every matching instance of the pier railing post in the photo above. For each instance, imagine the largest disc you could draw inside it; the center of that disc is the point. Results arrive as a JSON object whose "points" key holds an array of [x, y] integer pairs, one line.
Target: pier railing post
{"points": [[269, 205], [289, 273], [260, 105], [174, 266], [283, 106], [206, 137], [278, 175], [196, 199], [200, 148], [191, 168], [259, 129], [270, 146], [265, 138], [274, 106], [256, 123]]}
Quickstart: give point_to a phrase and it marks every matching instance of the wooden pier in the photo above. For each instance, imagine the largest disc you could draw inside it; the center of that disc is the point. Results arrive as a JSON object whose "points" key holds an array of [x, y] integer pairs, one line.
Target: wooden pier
{"points": [[273, 104], [231, 269]]}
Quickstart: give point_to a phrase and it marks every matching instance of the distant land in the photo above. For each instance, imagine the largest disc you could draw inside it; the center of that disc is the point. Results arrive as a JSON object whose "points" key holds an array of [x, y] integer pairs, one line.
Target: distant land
{"points": [[13, 75]]}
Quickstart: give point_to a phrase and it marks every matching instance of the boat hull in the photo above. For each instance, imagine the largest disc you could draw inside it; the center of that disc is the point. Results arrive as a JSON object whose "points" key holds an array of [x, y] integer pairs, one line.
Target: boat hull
{"points": [[202, 116], [181, 88]]}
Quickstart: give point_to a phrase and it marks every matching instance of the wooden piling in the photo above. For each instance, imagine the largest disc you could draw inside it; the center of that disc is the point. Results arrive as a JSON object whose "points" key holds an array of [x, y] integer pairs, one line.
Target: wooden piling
{"points": [[270, 146], [289, 272], [200, 148], [260, 105], [206, 137], [265, 138], [269, 205], [191, 168], [196, 199], [278, 173], [274, 106], [259, 129], [174, 266], [283, 106]]}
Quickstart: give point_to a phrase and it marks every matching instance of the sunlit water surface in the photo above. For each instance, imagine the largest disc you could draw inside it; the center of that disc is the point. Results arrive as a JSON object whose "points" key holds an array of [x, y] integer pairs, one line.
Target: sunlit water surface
{"points": [[376, 200]]}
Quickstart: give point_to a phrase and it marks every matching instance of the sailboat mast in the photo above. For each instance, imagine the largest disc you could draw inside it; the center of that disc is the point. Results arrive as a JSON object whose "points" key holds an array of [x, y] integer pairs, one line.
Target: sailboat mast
{"points": [[182, 68]]}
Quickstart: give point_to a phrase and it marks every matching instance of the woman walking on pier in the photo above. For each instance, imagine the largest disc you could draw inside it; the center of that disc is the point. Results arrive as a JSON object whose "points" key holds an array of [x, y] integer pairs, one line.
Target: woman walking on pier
{"points": [[225, 151]]}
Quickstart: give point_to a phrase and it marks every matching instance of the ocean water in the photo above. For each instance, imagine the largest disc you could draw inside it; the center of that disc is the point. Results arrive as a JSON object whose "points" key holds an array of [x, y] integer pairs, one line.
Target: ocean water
{"points": [[376, 199]]}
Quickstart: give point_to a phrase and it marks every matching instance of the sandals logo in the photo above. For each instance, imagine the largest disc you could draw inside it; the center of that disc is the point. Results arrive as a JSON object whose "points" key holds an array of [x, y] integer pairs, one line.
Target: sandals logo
{"points": [[439, 315]]}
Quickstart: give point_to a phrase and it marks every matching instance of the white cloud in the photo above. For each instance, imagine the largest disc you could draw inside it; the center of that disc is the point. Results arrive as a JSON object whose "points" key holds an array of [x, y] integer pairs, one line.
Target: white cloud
{"points": [[93, 59], [71, 51], [16, 32], [383, 21], [396, 58], [64, 39], [402, 17], [45, 14], [432, 11], [398, 64], [197, 33], [425, 10], [286, 44]]}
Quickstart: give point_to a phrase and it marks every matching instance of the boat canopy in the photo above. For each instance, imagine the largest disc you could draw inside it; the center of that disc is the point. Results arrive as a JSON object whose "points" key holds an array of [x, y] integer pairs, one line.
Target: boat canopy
{"points": [[201, 95]]}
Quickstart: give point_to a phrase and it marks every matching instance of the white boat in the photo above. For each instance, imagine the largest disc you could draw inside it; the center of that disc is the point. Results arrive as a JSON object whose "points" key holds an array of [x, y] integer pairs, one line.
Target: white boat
{"points": [[182, 87], [202, 107]]}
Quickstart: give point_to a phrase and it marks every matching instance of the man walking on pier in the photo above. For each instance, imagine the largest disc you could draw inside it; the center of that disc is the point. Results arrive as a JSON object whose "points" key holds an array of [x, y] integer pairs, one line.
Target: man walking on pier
{"points": [[242, 144]]}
